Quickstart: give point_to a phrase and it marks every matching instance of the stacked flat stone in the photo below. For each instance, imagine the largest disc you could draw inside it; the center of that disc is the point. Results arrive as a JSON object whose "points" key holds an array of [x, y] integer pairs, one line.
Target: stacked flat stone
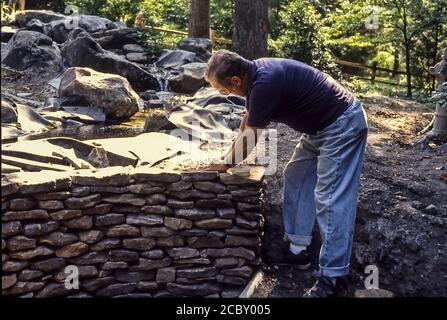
{"points": [[131, 233]]}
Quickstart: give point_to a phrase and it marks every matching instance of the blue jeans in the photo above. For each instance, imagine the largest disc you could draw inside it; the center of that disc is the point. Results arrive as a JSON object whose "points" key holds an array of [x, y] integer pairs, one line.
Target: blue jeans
{"points": [[321, 183]]}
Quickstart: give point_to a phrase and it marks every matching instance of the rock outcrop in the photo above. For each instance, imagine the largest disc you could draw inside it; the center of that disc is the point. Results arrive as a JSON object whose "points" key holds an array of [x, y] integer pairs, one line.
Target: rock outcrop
{"points": [[190, 79], [86, 52], [202, 47], [23, 17], [59, 29], [174, 59], [116, 38], [32, 50]]}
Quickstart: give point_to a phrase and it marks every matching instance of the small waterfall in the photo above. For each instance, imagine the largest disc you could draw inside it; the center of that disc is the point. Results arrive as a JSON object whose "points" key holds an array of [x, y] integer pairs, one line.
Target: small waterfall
{"points": [[162, 82], [162, 76]]}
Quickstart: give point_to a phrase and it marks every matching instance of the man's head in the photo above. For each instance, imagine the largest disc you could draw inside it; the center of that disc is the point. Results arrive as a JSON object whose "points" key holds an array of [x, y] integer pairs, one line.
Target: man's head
{"points": [[227, 72]]}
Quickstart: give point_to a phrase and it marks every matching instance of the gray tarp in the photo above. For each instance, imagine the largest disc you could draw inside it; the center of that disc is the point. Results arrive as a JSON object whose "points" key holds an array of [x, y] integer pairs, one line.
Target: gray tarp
{"points": [[210, 116], [204, 124]]}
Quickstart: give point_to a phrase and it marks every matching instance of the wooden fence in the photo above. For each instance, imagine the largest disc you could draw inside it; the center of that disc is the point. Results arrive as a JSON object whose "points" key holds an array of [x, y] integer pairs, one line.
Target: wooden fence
{"points": [[21, 3], [373, 73], [213, 37]]}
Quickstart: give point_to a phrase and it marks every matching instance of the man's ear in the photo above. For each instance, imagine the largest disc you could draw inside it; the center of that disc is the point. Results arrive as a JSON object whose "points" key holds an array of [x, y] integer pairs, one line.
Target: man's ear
{"points": [[236, 80]]}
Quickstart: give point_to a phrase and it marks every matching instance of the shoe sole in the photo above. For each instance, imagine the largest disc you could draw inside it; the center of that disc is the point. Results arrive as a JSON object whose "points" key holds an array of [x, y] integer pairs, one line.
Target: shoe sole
{"points": [[303, 267]]}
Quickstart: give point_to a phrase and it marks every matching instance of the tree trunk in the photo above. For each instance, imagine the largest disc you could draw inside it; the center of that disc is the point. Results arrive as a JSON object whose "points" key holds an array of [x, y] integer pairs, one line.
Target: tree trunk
{"points": [[251, 28], [407, 53], [396, 64], [199, 20], [435, 54], [408, 68]]}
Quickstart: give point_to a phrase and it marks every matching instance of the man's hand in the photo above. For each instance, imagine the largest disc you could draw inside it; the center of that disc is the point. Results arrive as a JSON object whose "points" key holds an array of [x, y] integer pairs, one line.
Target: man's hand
{"points": [[220, 167]]}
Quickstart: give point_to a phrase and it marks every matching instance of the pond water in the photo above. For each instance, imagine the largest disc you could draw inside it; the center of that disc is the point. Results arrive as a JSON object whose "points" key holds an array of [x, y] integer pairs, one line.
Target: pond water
{"points": [[87, 132], [130, 128]]}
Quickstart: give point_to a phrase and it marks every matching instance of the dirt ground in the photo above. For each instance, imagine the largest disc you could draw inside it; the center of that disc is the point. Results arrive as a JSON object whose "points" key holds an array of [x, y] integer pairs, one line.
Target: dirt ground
{"points": [[33, 87]]}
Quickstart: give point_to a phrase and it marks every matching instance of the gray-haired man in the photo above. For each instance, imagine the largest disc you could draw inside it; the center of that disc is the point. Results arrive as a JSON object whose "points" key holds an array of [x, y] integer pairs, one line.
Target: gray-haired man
{"points": [[321, 180]]}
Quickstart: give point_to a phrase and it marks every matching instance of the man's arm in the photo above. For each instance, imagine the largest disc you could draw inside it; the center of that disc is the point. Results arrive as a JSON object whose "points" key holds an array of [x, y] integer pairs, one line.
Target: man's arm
{"points": [[241, 128], [241, 147], [244, 121], [243, 144]]}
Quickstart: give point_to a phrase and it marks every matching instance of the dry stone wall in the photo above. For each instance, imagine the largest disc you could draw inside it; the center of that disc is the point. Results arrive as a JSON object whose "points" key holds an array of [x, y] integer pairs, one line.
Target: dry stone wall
{"points": [[130, 232]]}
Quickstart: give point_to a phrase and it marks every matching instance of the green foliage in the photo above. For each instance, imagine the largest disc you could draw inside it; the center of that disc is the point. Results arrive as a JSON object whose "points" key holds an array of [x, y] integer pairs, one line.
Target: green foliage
{"points": [[384, 59], [360, 86], [115, 10], [275, 18], [55, 5], [152, 40], [418, 29], [167, 13], [221, 17], [302, 37], [7, 12], [93, 7], [121, 10], [345, 26]]}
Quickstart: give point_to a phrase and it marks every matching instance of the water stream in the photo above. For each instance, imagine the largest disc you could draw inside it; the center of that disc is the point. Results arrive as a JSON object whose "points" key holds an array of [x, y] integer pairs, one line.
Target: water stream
{"points": [[130, 128]]}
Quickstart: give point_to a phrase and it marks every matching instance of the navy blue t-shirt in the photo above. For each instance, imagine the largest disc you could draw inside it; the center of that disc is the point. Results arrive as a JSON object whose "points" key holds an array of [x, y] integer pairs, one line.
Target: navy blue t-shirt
{"points": [[293, 93]]}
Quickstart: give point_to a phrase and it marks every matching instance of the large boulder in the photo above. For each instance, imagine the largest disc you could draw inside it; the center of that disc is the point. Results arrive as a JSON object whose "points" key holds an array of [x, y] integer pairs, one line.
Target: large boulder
{"points": [[95, 24], [202, 47], [138, 57], [133, 48], [88, 22], [56, 30], [111, 93], [77, 33], [86, 52], [32, 50], [174, 59], [190, 79], [36, 25], [136, 53], [116, 38], [23, 17]]}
